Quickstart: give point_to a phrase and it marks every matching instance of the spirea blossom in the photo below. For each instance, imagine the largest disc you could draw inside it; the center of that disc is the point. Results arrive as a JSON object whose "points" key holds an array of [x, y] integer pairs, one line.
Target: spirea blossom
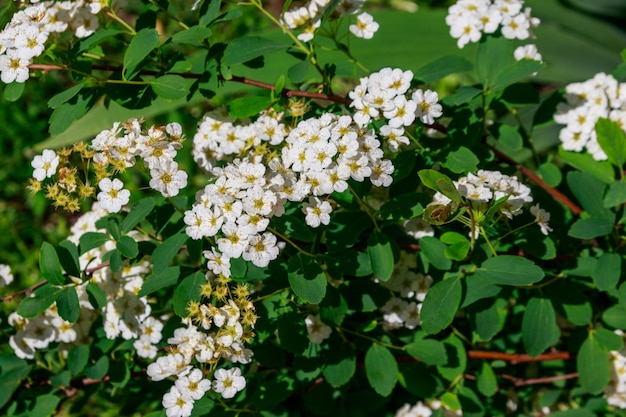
{"points": [[112, 195], [365, 26], [469, 19], [586, 102], [45, 165], [228, 382], [6, 277]]}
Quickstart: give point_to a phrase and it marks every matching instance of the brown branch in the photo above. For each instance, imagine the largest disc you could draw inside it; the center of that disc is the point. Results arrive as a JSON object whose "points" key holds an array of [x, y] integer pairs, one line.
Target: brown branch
{"points": [[519, 382], [519, 357], [243, 80], [26, 291], [91, 270]]}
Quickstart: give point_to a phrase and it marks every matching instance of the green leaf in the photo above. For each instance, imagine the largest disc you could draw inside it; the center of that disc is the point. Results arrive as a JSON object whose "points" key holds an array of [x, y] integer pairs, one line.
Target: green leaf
{"points": [[434, 251], [478, 288], [50, 265], [612, 140], [307, 278], [593, 366], [64, 96], [457, 358], [340, 365], [128, 247], [188, 290], [170, 86], [243, 107], [67, 113], [91, 240], [571, 302], [194, 36], [157, 280], [440, 182], [460, 160], [487, 317], [608, 271], [615, 195], [93, 40], [141, 45], [166, 251], [539, 328], [99, 369], [381, 255], [209, 11], [487, 383], [68, 257], [601, 170], [589, 191], [441, 304], [515, 72], [97, 296], [77, 359], [608, 340], [45, 405], [381, 369], [510, 270], [13, 91], [137, 213], [442, 67], [297, 72], [247, 48], [492, 55], [43, 298], [614, 316], [68, 305], [510, 137], [591, 228], [551, 174], [404, 206], [12, 371], [429, 351]]}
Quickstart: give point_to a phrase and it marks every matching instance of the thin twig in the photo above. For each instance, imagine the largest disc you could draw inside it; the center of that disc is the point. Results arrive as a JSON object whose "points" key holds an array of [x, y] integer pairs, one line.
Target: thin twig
{"points": [[24, 291], [519, 357], [243, 80]]}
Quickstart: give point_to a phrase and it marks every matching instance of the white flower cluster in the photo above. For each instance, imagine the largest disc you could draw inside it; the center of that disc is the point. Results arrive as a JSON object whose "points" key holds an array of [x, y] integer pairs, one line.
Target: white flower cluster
{"points": [[123, 144], [6, 277], [586, 102], [486, 187], [469, 19], [409, 289], [309, 17], [382, 94], [24, 37], [318, 331], [317, 157], [615, 392], [196, 343], [124, 314]]}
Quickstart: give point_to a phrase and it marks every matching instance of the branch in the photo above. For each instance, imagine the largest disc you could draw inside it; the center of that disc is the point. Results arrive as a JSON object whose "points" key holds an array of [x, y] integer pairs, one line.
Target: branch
{"points": [[519, 382], [519, 357], [24, 291], [286, 93]]}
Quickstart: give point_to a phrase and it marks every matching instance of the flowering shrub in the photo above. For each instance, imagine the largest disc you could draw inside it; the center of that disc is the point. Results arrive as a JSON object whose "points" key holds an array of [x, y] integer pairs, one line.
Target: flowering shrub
{"points": [[337, 241]]}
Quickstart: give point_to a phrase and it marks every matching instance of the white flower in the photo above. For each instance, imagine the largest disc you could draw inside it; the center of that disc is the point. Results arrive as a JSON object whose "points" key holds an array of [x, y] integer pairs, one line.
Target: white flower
{"points": [[6, 277], [13, 67], [261, 250], [167, 179], [427, 106], [193, 385], [218, 263], [317, 212], [144, 348], [527, 52], [45, 164], [228, 382], [318, 331], [113, 196], [542, 218], [365, 26], [176, 404]]}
